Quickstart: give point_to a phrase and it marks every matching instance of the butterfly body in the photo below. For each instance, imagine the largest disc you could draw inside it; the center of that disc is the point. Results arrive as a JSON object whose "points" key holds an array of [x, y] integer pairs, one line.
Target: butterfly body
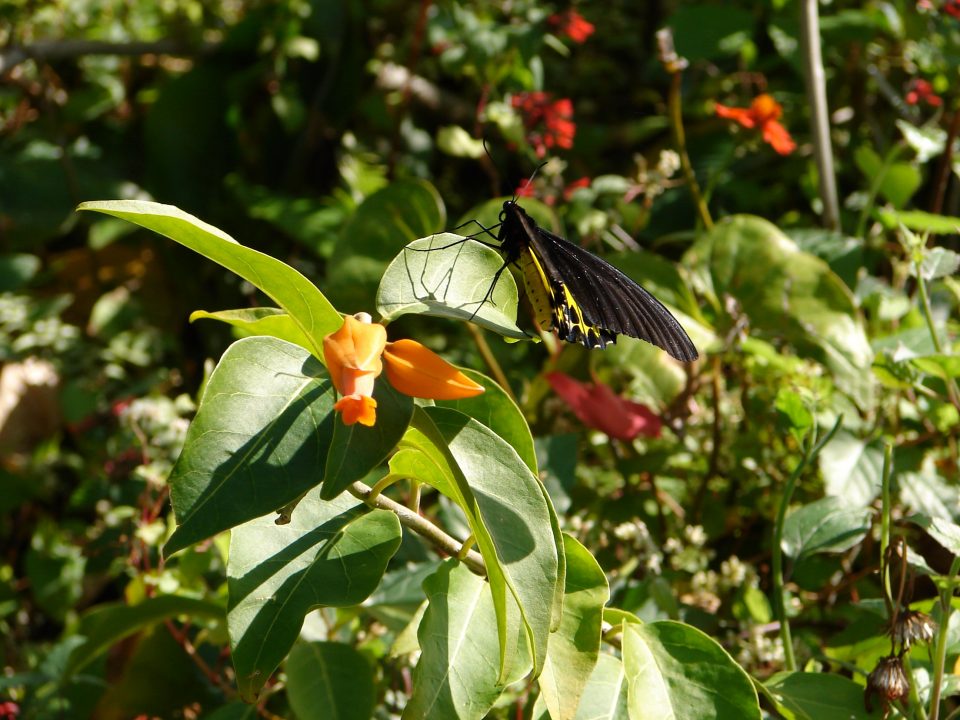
{"points": [[586, 299]]}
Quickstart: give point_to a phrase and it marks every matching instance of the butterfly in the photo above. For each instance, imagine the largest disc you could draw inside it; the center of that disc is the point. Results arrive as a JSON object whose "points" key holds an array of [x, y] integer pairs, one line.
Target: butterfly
{"points": [[586, 299]]}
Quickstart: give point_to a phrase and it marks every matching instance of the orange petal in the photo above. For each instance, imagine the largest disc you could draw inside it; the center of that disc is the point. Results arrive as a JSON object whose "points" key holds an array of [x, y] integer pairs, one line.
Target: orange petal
{"points": [[765, 109], [357, 409], [414, 370], [352, 351], [744, 116], [778, 137]]}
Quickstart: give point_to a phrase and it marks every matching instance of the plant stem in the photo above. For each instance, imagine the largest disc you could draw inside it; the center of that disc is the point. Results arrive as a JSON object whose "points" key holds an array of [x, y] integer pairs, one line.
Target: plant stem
{"points": [[885, 523], [675, 103], [423, 527], [819, 119], [490, 359], [951, 383], [940, 661], [813, 448]]}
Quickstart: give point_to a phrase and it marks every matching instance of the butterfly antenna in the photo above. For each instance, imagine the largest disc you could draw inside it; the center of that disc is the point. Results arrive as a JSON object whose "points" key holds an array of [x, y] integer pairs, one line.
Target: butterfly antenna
{"points": [[529, 182]]}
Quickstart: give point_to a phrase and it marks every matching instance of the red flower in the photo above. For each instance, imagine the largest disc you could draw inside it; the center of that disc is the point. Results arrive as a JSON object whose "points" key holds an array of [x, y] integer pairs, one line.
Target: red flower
{"points": [[764, 113], [572, 24], [597, 406], [920, 90], [549, 123], [952, 8], [525, 189], [570, 189]]}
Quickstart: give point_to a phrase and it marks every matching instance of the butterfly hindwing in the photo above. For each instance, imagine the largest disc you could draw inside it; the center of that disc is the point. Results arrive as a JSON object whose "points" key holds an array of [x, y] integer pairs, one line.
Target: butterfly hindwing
{"points": [[591, 300]]}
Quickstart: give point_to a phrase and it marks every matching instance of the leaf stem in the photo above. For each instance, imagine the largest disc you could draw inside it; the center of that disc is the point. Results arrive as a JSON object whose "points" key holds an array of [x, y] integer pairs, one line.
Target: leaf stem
{"points": [[950, 382], [940, 660], [490, 359], [885, 523], [420, 525], [813, 448]]}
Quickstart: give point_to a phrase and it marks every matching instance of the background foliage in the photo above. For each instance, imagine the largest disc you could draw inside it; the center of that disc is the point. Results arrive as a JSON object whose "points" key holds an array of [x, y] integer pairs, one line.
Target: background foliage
{"points": [[331, 134]]}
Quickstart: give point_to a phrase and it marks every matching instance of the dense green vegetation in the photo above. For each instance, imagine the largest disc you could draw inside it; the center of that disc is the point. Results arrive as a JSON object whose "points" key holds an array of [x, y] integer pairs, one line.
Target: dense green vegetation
{"points": [[189, 527]]}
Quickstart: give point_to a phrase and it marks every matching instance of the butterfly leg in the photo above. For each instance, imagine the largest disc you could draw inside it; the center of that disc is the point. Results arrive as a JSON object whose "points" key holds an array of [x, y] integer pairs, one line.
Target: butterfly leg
{"points": [[490, 290]]}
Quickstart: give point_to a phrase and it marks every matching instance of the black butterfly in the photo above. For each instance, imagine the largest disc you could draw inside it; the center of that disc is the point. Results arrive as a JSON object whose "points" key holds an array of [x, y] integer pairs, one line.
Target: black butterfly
{"points": [[585, 298]]}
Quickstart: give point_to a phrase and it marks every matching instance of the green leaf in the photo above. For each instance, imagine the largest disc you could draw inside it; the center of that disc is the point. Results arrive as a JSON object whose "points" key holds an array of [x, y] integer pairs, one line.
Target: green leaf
{"points": [[271, 322], [16, 270], [332, 553], [495, 409], [943, 531], [573, 649], [258, 440], [329, 680], [386, 221], [787, 293], [794, 410], [300, 298], [356, 449], [457, 142], [851, 469], [927, 142], [898, 181], [938, 262], [509, 515], [677, 672], [920, 221], [106, 625], [457, 676], [707, 32], [816, 696], [604, 696], [449, 276], [828, 525]]}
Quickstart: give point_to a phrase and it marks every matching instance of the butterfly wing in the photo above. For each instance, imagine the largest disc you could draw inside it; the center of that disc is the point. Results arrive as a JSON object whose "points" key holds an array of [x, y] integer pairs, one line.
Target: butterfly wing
{"points": [[593, 302]]}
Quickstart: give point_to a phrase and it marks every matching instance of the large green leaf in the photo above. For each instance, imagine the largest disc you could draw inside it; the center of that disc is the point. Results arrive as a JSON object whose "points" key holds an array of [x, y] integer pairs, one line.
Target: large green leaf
{"points": [[386, 221], [259, 439], [676, 672], [816, 696], [786, 293], [851, 469], [450, 276], [573, 649], [495, 409], [509, 515], [329, 680], [825, 526], [604, 696], [457, 676], [300, 298], [332, 553]]}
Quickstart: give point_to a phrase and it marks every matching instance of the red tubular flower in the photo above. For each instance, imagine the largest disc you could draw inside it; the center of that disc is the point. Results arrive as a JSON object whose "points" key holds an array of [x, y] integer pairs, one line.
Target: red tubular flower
{"points": [[355, 356], [597, 406], [549, 123], [572, 24], [763, 114], [952, 8], [920, 90]]}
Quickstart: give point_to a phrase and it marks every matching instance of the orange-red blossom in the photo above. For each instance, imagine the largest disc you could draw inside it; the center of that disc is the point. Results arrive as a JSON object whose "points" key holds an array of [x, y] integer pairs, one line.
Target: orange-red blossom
{"points": [[356, 355], [764, 114]]}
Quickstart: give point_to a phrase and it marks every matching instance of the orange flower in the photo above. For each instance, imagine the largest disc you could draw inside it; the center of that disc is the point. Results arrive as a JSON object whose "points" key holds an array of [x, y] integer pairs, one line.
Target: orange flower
{"points": [[355, 356], [573, 25], [764, 113]]}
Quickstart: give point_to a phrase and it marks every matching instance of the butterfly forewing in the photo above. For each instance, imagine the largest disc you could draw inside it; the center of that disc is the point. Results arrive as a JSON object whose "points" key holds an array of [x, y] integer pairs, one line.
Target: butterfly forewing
{"points": [[592, 302]]}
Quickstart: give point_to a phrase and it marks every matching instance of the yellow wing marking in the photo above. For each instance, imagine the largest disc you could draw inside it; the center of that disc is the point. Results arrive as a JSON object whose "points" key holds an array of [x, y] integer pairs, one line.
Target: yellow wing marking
{"points": [[538, 288]]}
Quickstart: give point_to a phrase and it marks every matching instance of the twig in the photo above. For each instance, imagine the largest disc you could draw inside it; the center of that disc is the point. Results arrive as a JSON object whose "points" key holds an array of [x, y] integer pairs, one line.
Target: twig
{"points": [[423, 527], [819, 119], [490, 359]]}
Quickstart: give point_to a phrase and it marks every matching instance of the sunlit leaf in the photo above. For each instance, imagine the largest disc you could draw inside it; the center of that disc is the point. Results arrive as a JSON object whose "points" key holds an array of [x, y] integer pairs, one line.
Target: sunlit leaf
{"points": [[329, 679], [258, 440], [448, 276], [331, 553]]}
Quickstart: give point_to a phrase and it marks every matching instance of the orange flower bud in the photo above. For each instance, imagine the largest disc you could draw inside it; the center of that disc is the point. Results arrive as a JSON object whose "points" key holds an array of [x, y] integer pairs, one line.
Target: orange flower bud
{"points": [[352, 354], [414, 370]]}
